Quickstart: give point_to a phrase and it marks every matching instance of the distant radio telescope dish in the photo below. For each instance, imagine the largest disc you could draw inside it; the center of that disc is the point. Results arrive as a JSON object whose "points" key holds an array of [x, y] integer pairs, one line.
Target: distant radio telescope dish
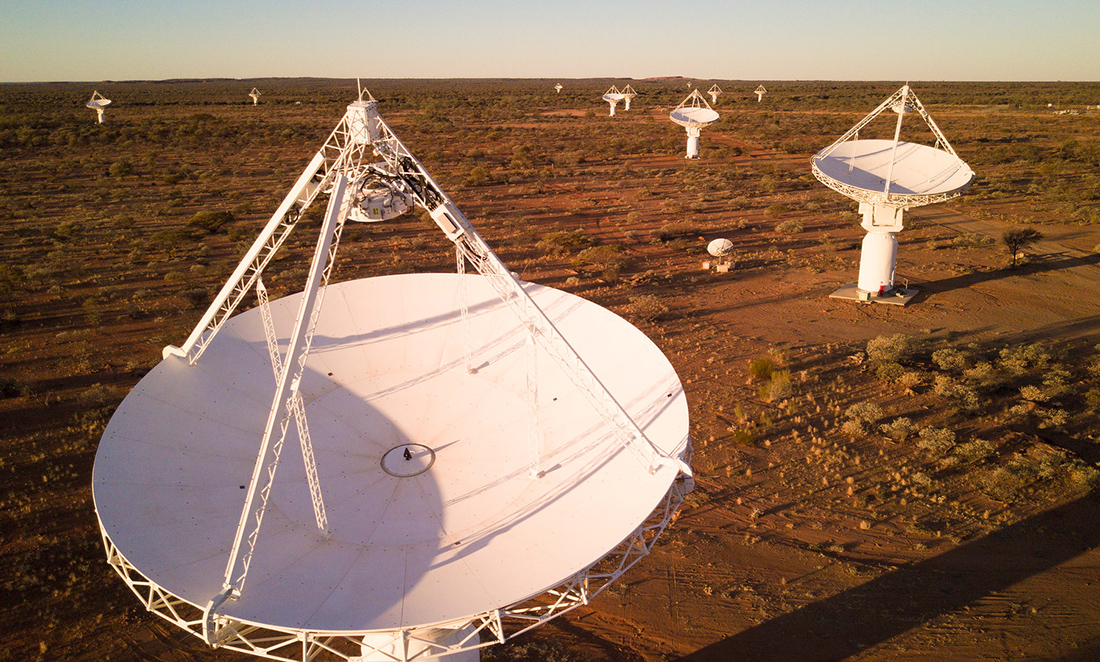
{"points": [[720, 247], [391, 468], [714, 91], [255, 94], [760, 92], [98, 103], [628, 94], [557, 88], [613, 96], [887, 177], [693, 114]]}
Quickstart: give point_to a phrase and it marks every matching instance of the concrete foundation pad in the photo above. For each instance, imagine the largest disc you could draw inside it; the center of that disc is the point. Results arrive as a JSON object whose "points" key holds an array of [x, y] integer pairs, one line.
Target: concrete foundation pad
{"points": [[895, 297]]}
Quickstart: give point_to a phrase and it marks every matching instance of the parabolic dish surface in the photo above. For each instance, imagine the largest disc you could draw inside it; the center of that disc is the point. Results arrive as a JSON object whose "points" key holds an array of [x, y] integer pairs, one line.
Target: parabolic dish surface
{"points": [[469, 533], [699, 116], [98, 103], [919, 170], [613, 97]]}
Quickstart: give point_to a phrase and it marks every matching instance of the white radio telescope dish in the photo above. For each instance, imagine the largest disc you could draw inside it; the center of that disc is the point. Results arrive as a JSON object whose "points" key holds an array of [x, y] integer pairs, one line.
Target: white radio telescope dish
{"points": [[720, 247], [887, 177], [760, 92], [693, 114], [255, 94], [628, 94], [613, 96], [714, 91], [453, 470], [557, 88], [98, 103]]}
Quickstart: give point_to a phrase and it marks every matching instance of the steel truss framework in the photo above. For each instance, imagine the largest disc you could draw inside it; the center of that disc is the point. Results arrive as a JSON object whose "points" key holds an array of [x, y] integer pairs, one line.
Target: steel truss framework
{"points": [[903, 101], [343, 167], [497, 626]]}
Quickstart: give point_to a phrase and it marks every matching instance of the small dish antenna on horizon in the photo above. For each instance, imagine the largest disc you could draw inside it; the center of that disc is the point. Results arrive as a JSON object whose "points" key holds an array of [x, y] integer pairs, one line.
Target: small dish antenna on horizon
{"points": [[714, 91], [613, 96], [887, 177], [98, 103], [693, 114], [255, 94], [557, 88], [628, 94], [760, 92]]}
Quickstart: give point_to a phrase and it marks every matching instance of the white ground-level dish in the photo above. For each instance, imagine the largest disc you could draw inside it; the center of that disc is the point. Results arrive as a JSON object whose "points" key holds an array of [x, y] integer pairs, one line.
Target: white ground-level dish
{"points": [[472, 533]]}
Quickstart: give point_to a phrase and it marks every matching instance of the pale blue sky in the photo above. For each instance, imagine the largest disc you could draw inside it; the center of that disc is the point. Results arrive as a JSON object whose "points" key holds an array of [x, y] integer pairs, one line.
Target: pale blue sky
{"points": [[91, 40]]}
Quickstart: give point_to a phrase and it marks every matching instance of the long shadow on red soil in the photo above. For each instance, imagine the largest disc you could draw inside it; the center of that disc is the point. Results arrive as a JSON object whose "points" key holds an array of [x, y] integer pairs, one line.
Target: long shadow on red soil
{"points": [[969, 280], [888, 606]]}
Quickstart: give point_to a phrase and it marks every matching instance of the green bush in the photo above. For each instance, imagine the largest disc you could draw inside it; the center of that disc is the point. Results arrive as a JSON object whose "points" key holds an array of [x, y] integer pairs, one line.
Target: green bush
{"points": [[210, 221], [897, 348]]}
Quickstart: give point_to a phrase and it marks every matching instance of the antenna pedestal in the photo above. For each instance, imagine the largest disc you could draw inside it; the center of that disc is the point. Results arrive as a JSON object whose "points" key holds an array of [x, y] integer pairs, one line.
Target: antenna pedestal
{"points": [[612, 104], [878, 259], [693, 142], [99, 115]]}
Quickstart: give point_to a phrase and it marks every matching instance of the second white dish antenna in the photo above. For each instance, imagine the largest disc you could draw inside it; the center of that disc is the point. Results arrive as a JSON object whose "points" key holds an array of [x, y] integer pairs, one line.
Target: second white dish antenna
{"points": [[557, 88], [613, 96], [255, 94], [887, 177], [98, 102], [693, 114], [714, 91], [760, 92]]}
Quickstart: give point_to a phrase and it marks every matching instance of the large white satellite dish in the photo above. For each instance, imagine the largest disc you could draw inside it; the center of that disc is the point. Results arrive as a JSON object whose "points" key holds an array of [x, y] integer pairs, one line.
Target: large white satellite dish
{"points": [[478, 455], [760, 91], [628, 94], [557, 88], [693, 114], [613, 96], [887, 177], [255, 94], [98, 103]]}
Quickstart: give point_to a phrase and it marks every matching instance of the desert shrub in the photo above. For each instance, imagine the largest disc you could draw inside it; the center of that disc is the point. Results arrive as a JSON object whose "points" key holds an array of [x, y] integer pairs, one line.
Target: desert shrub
{"points": [[936, 440], [897, 348], [671, 231], [962, 397], [1033, 394], [1005, 483], [864, 412], [854, 428], [761, 368], [559, 243], [911, 378], [983, 373], [790, 226], [647, 307], [1051, 417], [920, 478], [889, 371], [950, 360], [974, 450], [210, 221], [479, 176], [608, 260], [898, 429], [777, 387], [121, 168], [1018, 360]]}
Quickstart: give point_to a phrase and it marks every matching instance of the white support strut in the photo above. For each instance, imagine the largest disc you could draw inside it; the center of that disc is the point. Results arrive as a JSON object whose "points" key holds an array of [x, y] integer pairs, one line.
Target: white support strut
{"points": [[268, 458]]}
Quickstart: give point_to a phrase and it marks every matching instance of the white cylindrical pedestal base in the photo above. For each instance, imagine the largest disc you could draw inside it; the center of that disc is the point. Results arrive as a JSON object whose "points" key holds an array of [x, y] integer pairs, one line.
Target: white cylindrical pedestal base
{"points": [[99, 115], [693, 147], [877, 262], [626, 102], [612, 109]]}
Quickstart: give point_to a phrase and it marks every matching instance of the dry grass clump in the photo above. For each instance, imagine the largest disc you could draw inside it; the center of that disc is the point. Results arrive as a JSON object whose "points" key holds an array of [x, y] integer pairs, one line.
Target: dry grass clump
{"points": [[962, 397], [974, 450], [761, 368], [777, 387], [950, 360], [562, 243]]}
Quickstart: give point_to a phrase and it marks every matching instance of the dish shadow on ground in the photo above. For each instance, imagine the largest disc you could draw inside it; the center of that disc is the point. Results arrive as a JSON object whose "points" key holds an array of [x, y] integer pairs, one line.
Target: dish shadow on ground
{"points": [[1043, 265], [881, 609]]}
